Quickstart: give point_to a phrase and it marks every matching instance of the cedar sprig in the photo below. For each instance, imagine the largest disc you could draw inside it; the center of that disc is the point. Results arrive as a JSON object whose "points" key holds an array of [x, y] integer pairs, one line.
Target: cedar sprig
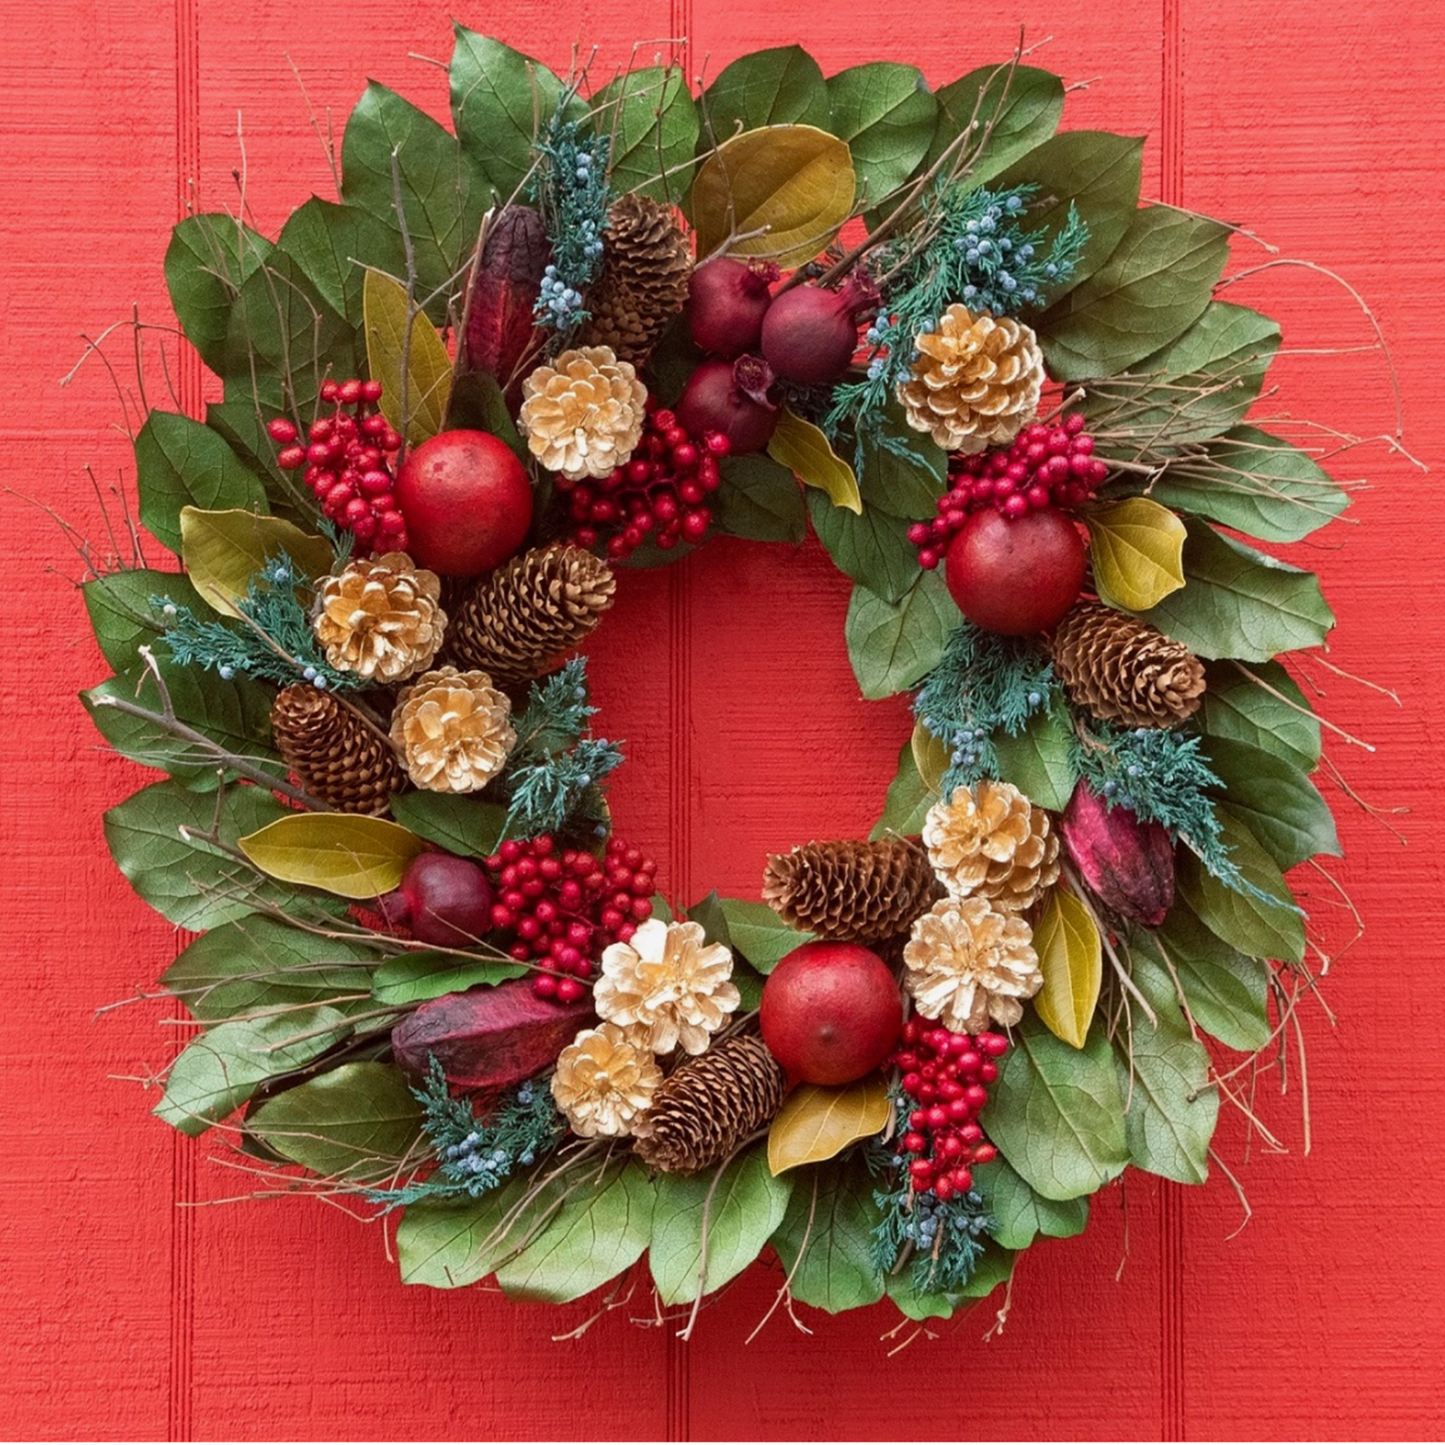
{"points": [[571, 192], [945, 1238]]}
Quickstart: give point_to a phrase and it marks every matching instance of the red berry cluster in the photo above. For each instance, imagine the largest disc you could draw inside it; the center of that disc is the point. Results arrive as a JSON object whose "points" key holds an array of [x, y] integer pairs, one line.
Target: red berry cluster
{"points": [[659, 492], [345, 461], [944, 1074], [564, 906], [1045, 467]]}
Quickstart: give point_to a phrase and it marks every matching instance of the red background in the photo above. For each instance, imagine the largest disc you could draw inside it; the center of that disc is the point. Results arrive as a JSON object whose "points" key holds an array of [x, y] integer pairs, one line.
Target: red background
{"points": [[122, 1315]]}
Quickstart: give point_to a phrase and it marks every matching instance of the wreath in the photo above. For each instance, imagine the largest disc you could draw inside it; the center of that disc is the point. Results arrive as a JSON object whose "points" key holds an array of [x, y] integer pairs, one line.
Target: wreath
{"points": [[587, 330]]}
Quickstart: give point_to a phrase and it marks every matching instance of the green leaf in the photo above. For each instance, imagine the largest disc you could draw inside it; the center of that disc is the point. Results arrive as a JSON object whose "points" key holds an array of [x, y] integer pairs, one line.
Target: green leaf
{"points": [[1260, 713], [477, 404], [1264, 928], [1237, 602], [179, 462], [893, 645], [416, 377], [756, 932], [1020, 1215], [887, 115], [1255, 483], [909, 799], [1057, 1115], [1017, 109], [416, 977], [830, 1221], [708, 912], [223, 551], [1136, 547], [449, 1245], [601, 1228], [243, 428], [461, 824], [207, 262], [807, 453], [357, 1122], [333, 245], [1275, 800], [870, 547], [760, 500], [783, 86], [1071, 959], [1227, 991], [652, 120], [217, 1072], [348, 854], [119, 605], [1039, 761], [1153, 287], [735, 1209], [903, 486]]}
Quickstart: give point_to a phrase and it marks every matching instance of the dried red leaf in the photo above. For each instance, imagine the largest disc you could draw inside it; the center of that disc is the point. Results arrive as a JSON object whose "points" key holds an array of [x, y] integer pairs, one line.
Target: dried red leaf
{"points": [[1127, 862], [504, 290]]}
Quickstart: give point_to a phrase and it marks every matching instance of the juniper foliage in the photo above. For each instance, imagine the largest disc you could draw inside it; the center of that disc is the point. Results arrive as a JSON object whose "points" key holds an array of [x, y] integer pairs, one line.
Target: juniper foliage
{"points": [[947, 1237], [571, 192]]}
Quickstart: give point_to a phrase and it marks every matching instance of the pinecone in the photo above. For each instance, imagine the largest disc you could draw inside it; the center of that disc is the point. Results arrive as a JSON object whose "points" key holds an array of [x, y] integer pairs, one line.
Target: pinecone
{"points": [[976, 381], [1125, 670], [604, 1079], [526, 615], [583, 413], [338, 758], [989, 841], [379, 617], [708, 1106], [862, 892], [645, 271], [968, 963], [453, 730]]}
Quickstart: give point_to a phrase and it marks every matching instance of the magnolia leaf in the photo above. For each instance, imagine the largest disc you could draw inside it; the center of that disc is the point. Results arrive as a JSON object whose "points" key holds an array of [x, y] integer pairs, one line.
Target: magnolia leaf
{"points": [[1019, 1214], [887, 115], [830, 1222], [909, 799], [209, 259], [347, 854], [767, 88], [121, 615], [871, 547], [1039, 762], [930, 757], [1226, 990], [1267, 710], [180, 463], [1012, 108], [893, 645], [1276, 801], [756, 932], [800, 445], [457, 822], [815, 1123], [782, 192], [448, 1245], [416, 977], [1136, 547], [223, 551], [416, 381], [1071, 959], [907, 484], [334, 245], [758, 499], [651, 118]]}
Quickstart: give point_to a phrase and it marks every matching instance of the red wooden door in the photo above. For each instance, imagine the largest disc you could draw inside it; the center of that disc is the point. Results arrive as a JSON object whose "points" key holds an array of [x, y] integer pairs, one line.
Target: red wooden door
{"points": [[127, 1311]]}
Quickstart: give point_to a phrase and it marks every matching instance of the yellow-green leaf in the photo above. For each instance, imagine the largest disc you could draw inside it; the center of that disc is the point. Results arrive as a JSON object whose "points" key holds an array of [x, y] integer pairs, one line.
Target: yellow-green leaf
{"points": [[780, 191], [344, 853], [417, 408], [1071, 961], [224, 550], [816, 1123], [930, 757], [803, 447], [1137, 548]]}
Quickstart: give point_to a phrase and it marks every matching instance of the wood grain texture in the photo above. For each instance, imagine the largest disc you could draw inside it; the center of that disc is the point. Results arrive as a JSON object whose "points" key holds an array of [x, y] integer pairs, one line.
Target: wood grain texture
{"points": [[124, 1317]]}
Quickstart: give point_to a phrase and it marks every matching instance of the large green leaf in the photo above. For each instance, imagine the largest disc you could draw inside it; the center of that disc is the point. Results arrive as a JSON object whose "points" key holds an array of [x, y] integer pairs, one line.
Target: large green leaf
{"points": [[1017, 109], [1020, 1215], [333, 245], [1057, 1115], [1277, 802], [1271, 713], [783, 86], [760, 500], [652, 120], [707, 1228], [830, 1221], [871, 547], [1227, 991], [411, 978], [181, 463], [357, 1122], [448, 1245], [903, 486], [119, 604], [1237, 602], [1039, 761], [461, 824], [756, 932], [893, 645], [242, 425], [887, 115], [207, 262], [909, 799], [1153, 287]]}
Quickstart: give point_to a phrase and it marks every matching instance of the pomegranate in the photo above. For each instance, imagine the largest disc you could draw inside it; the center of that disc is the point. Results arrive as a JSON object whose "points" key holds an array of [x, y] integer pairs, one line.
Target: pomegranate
{"points": [[726, 302], [1015, 577], [447, 901], [730, 397], [810, 335]]}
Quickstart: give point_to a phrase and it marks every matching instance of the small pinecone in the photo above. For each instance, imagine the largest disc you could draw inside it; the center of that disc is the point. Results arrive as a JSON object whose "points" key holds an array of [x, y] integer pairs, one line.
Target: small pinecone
{"points": [[862, 892], [709, 1105], [645, 271], [338, 758], [527, 614], [1124, 670]]}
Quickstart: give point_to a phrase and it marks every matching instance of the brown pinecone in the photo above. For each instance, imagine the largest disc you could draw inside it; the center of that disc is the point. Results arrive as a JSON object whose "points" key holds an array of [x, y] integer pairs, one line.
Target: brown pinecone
{"points": [[709, 1105], [1122, 669], [338, 758], [862, 892], [519, 621], [645, 271]]}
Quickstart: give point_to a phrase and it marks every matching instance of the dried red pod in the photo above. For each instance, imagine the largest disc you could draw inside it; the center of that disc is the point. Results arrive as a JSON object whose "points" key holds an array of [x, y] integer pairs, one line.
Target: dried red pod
{"points": [[489, 1038], [1129, 863], [500, 329]]}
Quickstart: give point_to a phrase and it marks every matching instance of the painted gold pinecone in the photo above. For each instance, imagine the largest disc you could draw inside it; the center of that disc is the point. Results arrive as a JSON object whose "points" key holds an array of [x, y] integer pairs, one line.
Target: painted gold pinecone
{"points": [[990, 842], [453, 730], [605, 1078], [583, 413], [976, 381], [380, 617], [1123, 669], [967, 963], [709, 1105], [337, 757], [862, 892]]}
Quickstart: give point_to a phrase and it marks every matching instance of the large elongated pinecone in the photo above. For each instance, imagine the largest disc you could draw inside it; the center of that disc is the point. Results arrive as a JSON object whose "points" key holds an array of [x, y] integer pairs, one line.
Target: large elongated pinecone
{"points": [[337, 757], [710, 1105], [523, 618], [862, 892], [1125, 670], [646, 266]]}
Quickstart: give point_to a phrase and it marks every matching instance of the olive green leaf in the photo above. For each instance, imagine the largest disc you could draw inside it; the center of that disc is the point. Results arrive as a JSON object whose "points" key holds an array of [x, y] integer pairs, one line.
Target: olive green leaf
{"points": [[1276, 801], [180, 463], [334, 245], [871, 547], [652, 120], [830, 1221], [223, 551], [416, 378], [121, 615], [1016, 108], [931, 757], [908, 801], [209, 259], [887, 116], [756, 932], [777, 87], [760, 500], [817, 1123], [348, 854], [1071, 959], [802, 447], [1039, 762], [1136, 547], [893, 645], [1020, 1215], [415, 977], [460, 823], [1226, 990], [1266, 711], [448, 1245]]}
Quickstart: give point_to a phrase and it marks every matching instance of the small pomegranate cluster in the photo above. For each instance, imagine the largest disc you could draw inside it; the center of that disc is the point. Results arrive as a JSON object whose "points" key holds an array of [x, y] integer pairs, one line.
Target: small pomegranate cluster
{"points": [[1044, 467], [346, 466], [660, 492], [562, 907], [945, 1074]]}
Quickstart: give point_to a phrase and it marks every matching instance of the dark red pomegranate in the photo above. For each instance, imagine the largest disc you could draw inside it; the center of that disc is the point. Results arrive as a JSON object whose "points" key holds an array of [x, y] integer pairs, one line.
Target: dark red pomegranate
{"points": [[730, 397], [447, 901], [810, 335], [727, 300], [1018, 576]]}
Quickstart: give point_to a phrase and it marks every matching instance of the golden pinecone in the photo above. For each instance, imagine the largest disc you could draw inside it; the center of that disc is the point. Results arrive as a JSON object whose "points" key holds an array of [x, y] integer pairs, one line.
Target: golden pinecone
{"points": [[709, 1106], [605, 1078], [668, 984], [967, 963], [338, 758], [976, 381], [583, 413], [453, 730], [1120, 668], [379, 617], [645, 271], [862, 892], [527, 614], [990, 842]]}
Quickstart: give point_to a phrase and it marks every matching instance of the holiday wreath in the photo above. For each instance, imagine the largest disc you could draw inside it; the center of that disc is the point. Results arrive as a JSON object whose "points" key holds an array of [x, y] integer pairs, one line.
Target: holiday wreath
{"points": [[593, 327]]}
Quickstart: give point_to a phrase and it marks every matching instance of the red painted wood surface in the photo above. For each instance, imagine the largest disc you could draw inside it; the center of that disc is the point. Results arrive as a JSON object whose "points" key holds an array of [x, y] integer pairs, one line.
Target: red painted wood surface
{"points": [[131, 1306]]}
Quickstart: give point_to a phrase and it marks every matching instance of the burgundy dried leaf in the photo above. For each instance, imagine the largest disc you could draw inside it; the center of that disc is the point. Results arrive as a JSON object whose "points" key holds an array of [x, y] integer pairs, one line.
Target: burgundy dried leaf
{"points": [[504, 290], [1128, 863]]}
